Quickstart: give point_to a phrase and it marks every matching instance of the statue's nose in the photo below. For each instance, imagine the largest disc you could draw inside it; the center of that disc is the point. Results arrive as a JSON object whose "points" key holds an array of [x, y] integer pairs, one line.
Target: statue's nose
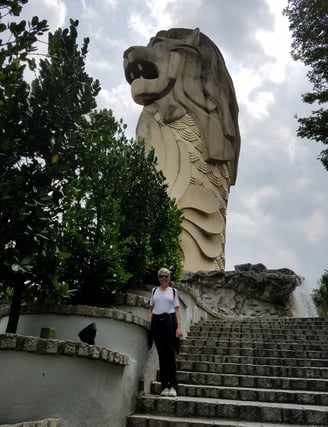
{"points": [[127, 51]]}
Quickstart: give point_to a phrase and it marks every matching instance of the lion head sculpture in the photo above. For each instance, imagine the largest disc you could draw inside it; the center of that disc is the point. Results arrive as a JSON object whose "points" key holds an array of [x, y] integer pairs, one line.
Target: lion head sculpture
{"points": [[187, 65], [190, 117]]}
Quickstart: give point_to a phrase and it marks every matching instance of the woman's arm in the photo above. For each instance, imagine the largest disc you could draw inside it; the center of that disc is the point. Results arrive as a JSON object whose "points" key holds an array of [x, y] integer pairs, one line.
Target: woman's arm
{"points": [[179, 330], [150, 313]]}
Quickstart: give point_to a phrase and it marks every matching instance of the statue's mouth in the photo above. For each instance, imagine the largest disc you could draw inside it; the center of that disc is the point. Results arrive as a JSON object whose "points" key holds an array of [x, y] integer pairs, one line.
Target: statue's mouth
{"points": [[141, 69]]}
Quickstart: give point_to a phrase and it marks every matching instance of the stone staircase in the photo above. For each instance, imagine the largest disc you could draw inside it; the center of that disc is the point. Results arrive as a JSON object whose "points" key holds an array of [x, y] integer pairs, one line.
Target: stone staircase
{"points": [[247, 372]]}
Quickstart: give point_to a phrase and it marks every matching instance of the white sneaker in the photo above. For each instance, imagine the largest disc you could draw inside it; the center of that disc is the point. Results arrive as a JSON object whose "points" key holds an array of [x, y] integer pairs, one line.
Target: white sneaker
{"points": [[165, 392], [172, 392]]}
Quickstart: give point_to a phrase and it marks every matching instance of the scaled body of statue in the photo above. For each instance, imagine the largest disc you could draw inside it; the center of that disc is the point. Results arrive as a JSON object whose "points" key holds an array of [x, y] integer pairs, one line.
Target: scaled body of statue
{"points": [[190, 117]]}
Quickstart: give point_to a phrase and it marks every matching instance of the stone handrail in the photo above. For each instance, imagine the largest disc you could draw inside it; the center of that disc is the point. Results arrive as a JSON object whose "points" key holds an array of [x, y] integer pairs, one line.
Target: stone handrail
{"points": [[50, 422], [14, 342]]}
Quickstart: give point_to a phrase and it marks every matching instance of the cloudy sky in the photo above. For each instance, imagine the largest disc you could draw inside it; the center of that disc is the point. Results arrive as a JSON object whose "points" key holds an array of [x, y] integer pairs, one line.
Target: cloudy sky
{"points": [[278, 209]]}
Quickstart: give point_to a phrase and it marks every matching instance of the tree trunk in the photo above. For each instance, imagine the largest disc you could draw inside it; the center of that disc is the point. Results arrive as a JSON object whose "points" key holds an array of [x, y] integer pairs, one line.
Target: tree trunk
{"points": [[15, 308]]}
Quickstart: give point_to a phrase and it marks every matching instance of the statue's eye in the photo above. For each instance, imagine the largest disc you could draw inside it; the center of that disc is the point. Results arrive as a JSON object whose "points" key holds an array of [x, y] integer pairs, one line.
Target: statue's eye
{"points": [[138, 69], [156, 41]]}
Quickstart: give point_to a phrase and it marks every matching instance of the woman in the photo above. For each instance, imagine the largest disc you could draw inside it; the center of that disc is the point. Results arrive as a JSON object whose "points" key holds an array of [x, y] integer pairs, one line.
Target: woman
{"points": [[164, 316]]}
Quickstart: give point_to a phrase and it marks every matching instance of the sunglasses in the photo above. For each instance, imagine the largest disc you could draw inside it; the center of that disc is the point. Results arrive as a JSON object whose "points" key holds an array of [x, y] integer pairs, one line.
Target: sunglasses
{"points": [[162, 276]]}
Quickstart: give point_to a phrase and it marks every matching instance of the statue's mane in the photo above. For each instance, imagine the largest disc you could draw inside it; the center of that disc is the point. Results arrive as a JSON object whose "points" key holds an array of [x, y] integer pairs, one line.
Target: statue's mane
{"points": [[206, 90]]}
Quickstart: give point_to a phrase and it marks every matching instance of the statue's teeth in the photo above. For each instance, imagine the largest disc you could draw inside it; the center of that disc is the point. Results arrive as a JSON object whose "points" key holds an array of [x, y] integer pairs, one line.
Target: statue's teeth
{"points": [[140, 68], [131, 76]]}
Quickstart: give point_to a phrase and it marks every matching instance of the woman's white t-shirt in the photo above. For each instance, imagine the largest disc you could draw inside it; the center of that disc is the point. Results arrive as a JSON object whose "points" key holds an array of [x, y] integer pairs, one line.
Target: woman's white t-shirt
{"points": [[164, 301]]}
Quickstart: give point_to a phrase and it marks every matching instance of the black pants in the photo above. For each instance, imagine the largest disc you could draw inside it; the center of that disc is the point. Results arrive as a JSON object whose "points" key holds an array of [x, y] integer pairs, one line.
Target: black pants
{"points": [[163, 327]]}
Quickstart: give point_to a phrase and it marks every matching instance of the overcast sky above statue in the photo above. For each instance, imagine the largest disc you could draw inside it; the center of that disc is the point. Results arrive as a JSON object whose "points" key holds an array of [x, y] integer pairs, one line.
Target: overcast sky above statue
{"points": [[278, 209]]}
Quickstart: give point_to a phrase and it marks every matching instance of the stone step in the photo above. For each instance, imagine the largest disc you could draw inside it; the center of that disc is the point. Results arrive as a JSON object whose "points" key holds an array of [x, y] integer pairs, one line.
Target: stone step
{"points": [[303, 323], [250, 411], [274, 328], [251, 352], [266, 321], [252, 360], [255, 351], [138, 420], [254, 322], [247, 352], [260, 335], [249, 394], [237, 380], [253, 369], [257, 325], [258, 328], [299, 346]]}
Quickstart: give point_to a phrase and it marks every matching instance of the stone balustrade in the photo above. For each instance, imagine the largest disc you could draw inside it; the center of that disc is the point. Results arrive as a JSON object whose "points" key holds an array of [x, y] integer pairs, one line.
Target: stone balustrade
{"points": [[14, 342], [49, 422]]}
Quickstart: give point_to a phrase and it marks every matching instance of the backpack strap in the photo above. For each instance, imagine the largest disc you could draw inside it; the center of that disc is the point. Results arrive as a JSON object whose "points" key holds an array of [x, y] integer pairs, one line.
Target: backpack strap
{"points": [[173, 289]]}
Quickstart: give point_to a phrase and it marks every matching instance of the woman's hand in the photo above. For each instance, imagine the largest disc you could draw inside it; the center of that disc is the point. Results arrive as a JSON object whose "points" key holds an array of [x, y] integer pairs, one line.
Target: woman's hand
{"points": [[178, 332]]}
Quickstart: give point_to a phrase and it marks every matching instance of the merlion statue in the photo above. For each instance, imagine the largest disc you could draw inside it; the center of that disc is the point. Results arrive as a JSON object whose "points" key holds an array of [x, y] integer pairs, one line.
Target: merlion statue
{"points": [[190, 117]]}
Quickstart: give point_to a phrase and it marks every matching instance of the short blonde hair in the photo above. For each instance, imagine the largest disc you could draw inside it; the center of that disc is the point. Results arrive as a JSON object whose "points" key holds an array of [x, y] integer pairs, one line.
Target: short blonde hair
{"points": [[163, 270]]}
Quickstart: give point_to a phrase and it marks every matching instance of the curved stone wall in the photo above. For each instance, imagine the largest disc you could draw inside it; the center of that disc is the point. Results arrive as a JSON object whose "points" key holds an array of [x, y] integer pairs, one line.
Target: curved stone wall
{"points": [[81, 390], [81, 384]]}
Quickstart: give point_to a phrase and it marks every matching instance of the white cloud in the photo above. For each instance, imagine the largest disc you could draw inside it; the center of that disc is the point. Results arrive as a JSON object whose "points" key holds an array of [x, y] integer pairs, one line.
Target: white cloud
{"points": [[139, 25], [100, 64], [118, 100], [245, 80], [160, 11], [314, 228], [276, 43], [111, 4], [91, 13], [53, 10], [258, 106]]}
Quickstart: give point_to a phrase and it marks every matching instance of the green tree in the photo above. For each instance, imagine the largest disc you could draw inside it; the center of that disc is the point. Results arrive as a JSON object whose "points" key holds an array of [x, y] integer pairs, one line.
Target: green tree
{"points": [[320, 296], [80, 206], [308, 22], [14, 55], [38, 140], [119, 223]]}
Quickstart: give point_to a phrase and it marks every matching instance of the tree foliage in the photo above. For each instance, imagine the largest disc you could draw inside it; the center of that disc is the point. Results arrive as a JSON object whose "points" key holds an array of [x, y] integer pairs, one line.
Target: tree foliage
{"points": [[308, 22], [80, 206], [37, 126], [320, 296], [119, 223], [17, 42]]}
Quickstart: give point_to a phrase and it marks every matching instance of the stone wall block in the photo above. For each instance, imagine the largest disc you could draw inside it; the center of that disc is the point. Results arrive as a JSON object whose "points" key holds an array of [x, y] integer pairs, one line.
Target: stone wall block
{"points": [[104, 354], [94, 352], [68, 348], [130, 299], [31, 344], [82, 350], [52, 346], [7, 342]]}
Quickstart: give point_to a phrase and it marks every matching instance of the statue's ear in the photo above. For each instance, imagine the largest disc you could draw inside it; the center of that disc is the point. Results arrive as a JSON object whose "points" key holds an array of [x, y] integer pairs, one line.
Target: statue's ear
{"points": [[193, 38]]}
